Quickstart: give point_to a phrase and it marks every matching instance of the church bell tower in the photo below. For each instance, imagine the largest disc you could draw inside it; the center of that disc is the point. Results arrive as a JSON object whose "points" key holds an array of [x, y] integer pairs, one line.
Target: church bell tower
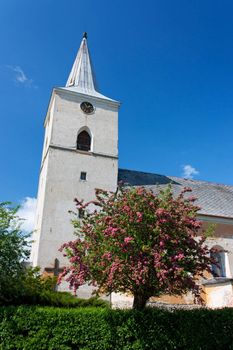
{"points": [[80, 153]]}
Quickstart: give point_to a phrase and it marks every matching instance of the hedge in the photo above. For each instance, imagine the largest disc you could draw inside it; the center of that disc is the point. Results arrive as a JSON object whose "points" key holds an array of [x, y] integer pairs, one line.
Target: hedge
{"points": [[48, 328], [59, 299]]}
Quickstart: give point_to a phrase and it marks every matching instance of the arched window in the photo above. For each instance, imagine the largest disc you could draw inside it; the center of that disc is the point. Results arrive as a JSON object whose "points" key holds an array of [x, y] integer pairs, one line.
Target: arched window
{"points": [[217, 253], [84, 141]]}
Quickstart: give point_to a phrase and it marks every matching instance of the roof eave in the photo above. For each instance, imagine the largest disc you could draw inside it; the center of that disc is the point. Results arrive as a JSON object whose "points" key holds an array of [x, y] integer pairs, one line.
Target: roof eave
{"points": [[107, 100]]}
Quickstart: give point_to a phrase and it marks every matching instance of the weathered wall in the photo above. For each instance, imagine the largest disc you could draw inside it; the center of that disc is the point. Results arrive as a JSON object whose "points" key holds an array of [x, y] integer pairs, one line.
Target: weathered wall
{"points": [[61, 167]]}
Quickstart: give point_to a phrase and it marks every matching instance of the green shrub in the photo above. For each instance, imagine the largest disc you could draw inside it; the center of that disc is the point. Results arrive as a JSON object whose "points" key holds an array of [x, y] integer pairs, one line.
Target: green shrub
{"points": [[14, 248], [36, 290], [64, 299], [49, 328]]}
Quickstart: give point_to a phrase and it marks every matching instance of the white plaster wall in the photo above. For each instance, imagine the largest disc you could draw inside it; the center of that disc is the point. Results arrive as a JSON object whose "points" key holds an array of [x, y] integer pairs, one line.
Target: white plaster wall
{"points": [[63, 184], [48, 129], [42, 185], [121, 301], [60, 174], [69, 119], [39, 213], [219, 296]]}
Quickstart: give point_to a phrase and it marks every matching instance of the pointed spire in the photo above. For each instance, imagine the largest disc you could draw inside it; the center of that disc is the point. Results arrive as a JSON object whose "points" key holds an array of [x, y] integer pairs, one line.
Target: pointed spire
{"points": [[82, 74], [82, 79]]}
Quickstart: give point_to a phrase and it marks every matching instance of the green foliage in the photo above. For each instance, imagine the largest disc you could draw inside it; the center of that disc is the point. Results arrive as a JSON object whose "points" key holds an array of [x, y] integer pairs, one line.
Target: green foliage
{"points": [[91, 328], [47, 297], [19, 285], [38, 290], [210, 230], [14, 248]]}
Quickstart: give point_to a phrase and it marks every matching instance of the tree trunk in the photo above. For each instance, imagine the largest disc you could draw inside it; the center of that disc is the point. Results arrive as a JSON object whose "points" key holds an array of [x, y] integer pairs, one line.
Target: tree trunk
{"points": [[139, 301]]}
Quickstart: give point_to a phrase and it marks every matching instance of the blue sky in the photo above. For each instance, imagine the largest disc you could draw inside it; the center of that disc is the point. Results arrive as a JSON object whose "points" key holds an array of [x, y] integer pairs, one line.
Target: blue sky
{"points": [[169, 62]]}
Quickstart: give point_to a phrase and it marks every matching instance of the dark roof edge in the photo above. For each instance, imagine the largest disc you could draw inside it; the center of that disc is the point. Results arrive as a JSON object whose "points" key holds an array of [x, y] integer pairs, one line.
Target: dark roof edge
{"points": [[211, 216], [176, 177]]}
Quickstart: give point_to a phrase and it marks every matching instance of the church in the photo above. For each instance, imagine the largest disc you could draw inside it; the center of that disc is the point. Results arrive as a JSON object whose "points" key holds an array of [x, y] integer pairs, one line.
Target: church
{"points": [[80, 153]]}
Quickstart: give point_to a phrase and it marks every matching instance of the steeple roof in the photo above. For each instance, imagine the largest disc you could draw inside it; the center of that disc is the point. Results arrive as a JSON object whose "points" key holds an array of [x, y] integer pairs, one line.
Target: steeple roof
{"points": [[81, 74], [82, 77]]}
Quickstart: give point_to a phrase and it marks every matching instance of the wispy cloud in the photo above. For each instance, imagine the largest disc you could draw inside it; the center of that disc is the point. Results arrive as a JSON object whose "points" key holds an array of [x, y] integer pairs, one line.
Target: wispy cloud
{"points": [[189, 171], [20, 77], [27, 212]]}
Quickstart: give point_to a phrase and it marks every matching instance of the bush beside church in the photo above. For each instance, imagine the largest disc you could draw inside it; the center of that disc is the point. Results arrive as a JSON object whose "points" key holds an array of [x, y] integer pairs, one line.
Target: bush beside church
{"points": [[91, 328]]}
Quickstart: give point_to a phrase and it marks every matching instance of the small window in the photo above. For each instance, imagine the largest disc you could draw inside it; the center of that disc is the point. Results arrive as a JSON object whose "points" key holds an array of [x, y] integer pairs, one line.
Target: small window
{"points": [[218, 264], [83, 176], [84, 141], [81, 213]]}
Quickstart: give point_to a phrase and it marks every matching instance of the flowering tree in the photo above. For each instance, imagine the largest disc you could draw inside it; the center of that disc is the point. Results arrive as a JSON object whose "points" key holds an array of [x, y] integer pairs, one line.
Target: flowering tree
{"points": [[138, 242]]}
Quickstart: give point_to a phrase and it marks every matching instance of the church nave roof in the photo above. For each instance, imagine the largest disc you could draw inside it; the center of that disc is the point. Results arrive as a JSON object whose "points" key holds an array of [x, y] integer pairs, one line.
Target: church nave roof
{"points": [[214, 199]]}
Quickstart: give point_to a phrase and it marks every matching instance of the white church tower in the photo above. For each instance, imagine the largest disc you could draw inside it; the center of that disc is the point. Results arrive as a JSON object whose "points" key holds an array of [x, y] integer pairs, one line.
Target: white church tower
{"points": [[80, 154]]}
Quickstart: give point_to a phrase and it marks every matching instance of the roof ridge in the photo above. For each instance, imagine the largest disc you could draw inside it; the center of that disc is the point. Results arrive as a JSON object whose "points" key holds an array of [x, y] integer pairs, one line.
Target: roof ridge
{"points": [[183, 178], [203, 181], [142, 172]]}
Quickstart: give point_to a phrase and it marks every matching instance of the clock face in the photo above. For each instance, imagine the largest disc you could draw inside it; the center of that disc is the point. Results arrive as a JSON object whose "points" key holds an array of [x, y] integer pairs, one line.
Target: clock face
{"points": [[87, 107]]}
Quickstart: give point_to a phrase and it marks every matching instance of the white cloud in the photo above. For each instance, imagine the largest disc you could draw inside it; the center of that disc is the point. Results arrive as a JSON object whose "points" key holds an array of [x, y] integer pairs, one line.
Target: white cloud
{"points": [[21, 77], [27, 212], [189, 171]]}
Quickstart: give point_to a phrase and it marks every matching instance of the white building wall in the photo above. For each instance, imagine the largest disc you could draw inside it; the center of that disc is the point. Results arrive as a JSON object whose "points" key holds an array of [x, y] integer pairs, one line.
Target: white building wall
{"points": [[219, 296], [39, 212], [61, 167], [69, 119]]}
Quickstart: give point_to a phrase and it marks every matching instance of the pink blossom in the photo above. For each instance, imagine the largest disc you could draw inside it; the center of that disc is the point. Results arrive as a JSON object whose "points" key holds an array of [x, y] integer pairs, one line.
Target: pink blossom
{"points": [[107, 256], [128, 239], [161, 211], [126, 208], [161, 243], [111, 231], [192, 198], [139, 216], [179, 256]]}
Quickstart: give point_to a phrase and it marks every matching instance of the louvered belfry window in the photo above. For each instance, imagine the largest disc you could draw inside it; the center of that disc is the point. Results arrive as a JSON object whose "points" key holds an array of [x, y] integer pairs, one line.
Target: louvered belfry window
{"points": [[84, 141]]}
